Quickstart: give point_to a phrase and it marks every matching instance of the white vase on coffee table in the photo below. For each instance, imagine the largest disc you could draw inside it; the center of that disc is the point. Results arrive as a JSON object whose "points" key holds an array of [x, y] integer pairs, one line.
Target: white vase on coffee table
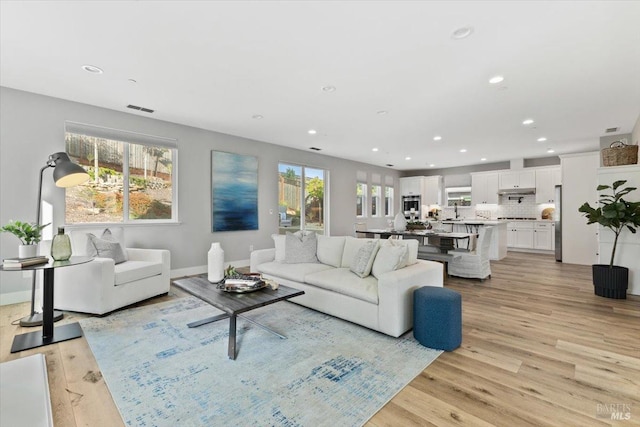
{"points": [[215, 261]]}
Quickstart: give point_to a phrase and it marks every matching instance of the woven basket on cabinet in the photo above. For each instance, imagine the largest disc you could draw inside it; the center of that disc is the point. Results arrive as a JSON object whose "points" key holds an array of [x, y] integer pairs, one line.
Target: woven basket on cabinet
{"points": [[619, 154]]}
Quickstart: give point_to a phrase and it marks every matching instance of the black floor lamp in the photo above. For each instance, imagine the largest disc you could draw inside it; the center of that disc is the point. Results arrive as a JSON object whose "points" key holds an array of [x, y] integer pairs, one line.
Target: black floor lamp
{"points": [[65, 174]]}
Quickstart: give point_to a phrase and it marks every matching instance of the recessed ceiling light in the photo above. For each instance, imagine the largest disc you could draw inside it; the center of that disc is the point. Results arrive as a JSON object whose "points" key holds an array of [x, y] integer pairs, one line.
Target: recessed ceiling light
{"points": [[312, 131], [329, 89], [496, 79], [463, 150], [437, 138], [382, 112], [431, 165], [543, 139], [374, 149], [407, 158], [484, 159], [92, 69], [550, 150], [527, 121], [461, 33], [257, 117]]}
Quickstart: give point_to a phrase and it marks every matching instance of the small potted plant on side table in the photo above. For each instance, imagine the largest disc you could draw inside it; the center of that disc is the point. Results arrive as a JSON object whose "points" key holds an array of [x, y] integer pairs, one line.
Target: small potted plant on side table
{"points": [[29, 234], [616, 214]]}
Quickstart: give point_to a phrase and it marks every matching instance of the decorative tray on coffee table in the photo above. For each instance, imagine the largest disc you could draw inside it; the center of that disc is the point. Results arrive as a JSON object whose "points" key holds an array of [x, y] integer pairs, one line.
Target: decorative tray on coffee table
{"points": [[240, 284]]}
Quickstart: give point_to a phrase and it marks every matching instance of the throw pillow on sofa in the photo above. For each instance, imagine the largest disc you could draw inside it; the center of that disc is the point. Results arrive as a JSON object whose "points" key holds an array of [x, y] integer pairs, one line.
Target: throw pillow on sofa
{"points": [[363, 261], [105, 247], [330, 250], [300, 247], [397, 243], [351, 247], [279, 240], [389, 258]]}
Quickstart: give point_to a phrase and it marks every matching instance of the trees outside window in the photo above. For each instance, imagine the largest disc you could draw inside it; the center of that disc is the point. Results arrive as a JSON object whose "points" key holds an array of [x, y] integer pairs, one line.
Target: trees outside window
{"points": [[301, 206], [130, 182]]}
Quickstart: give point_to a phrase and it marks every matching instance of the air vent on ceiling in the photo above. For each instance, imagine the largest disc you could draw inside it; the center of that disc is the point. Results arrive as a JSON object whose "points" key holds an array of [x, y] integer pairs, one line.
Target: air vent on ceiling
{"points": [[315, 148], [610, 130], [135, 107]]}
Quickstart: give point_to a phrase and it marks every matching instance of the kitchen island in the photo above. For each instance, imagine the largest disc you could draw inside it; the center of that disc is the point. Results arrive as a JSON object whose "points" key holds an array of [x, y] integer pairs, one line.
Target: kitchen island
{"points": [[498, 248]]}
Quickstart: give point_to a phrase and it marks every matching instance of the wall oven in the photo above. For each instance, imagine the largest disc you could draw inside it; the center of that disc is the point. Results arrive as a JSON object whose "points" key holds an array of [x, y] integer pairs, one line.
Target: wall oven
{"points": [[411, 207]]}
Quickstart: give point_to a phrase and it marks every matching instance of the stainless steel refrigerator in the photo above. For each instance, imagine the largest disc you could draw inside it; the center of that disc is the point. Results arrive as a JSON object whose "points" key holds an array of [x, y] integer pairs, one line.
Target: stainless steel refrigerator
{"points": [[557, 217]]}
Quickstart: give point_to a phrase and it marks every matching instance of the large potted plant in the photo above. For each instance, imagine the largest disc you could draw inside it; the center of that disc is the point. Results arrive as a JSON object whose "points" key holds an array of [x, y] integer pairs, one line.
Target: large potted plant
{"points": [[616, 214], [29, 235]]}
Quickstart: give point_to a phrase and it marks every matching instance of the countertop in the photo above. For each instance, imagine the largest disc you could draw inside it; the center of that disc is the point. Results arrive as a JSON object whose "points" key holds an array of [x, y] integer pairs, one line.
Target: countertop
{"points": [[465, 221]]}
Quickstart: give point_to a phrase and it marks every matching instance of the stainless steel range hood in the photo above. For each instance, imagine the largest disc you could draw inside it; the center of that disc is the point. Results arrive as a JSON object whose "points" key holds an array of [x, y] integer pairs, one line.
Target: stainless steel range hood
{"points": [[520, 191]]}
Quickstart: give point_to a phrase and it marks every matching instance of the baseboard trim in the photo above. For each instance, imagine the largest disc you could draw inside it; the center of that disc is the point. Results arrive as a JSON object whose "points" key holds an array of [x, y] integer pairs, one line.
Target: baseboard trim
{"points": [[202, 269], [15, 297]]}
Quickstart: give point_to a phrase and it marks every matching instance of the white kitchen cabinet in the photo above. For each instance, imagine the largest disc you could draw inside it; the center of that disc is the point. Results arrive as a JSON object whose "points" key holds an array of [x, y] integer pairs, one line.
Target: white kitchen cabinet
{"points": [[517, 179], [546, 181], [432, 190], [411, 186], [520, 234], [484, 188], [543, 237]]}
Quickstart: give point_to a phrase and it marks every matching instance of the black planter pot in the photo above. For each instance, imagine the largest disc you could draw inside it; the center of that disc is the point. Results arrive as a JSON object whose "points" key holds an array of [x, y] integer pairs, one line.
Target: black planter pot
{"points": [[610, 282]]}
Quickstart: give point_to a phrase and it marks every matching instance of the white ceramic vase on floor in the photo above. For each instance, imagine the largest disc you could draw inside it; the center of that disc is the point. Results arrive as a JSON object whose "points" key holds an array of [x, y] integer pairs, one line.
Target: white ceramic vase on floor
{"points": [[215, 258]]}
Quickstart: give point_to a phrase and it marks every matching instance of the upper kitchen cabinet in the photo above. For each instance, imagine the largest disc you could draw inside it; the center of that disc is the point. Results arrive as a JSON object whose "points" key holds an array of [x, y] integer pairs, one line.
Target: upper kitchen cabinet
{"points": [[546, 180], [517, 179], [484, 188], [412, 186], [429, 188], [432, 194]]}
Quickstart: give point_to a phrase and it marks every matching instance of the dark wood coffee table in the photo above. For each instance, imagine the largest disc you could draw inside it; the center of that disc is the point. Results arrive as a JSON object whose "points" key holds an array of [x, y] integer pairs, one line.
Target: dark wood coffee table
{"points": [[233, 304]]}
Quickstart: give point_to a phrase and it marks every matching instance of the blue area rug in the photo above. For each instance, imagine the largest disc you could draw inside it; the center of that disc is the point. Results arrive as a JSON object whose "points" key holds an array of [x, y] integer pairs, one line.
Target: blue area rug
{"points": [[327, 373]]}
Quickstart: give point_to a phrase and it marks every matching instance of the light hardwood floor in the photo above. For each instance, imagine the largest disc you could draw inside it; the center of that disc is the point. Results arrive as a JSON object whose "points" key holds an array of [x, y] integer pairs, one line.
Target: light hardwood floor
{"points": [[538, 349]]}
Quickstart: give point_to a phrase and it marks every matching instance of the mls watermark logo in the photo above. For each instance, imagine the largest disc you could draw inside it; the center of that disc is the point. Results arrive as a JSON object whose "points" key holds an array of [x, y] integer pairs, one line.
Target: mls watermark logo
{"points": [[614, 411]]}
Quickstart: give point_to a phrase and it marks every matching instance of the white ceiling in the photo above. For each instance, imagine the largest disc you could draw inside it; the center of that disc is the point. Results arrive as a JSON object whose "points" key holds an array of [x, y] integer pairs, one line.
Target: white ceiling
{"points": [[574, 67]]}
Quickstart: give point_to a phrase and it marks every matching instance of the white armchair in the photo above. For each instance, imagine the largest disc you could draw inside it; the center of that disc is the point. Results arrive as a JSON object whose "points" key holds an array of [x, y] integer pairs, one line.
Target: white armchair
{"points": [[101, 286], [474, 264]]}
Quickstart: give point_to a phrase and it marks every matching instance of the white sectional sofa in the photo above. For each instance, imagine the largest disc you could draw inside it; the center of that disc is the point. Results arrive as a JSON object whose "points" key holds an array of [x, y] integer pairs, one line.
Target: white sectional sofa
{"points": [[382, 300]]}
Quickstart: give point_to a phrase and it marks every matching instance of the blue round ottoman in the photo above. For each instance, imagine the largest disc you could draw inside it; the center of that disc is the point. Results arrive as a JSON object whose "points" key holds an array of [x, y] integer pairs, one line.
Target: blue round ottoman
{"points": [[437, 317]]}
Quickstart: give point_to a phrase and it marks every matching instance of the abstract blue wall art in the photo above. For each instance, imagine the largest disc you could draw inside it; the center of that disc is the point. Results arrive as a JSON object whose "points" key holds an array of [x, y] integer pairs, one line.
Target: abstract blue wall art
{"points": [[234, 192]]}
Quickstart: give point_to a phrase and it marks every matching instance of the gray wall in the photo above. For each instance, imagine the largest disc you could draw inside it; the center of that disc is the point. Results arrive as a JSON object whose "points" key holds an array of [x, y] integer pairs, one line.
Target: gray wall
{"points": [[32, 127]]}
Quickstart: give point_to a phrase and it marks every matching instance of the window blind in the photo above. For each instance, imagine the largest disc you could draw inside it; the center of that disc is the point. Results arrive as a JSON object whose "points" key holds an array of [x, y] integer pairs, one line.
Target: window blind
{"points": [[119, 135]]}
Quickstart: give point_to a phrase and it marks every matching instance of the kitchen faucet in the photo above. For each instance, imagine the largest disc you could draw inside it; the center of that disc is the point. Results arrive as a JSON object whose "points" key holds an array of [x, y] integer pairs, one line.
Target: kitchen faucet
{"points": [[455, 209]]}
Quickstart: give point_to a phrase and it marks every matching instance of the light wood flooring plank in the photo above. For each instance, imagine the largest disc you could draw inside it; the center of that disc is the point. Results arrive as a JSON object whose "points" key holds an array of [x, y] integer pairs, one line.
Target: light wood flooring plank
{"points": [[538, 349]]}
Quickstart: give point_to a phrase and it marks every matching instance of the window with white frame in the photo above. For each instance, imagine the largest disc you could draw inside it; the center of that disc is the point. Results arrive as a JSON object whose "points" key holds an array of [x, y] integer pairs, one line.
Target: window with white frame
{"points": [[376, 198], [361, 199], [301, 198], [388, 201], [133, 176]]}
